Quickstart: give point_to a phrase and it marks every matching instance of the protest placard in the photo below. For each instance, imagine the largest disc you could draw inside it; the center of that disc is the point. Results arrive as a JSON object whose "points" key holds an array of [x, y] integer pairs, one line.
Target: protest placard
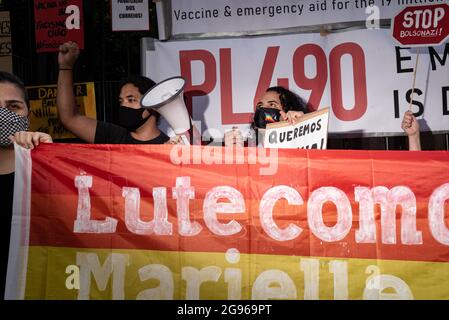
{"points": [[44, 113], [310, 132]]}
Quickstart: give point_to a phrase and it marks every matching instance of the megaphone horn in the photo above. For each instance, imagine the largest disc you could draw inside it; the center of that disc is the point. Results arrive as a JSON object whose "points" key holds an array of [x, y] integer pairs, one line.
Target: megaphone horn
{"points": [[166, 97]]}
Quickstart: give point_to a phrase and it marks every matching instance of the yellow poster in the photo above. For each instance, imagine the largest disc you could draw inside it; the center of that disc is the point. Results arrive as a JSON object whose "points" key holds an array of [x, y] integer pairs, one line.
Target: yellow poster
{"points": [[44, 114]]}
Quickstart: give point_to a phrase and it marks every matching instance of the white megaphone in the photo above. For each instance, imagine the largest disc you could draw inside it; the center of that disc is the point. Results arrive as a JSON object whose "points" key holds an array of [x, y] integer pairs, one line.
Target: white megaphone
{"points": [[166, 97]]}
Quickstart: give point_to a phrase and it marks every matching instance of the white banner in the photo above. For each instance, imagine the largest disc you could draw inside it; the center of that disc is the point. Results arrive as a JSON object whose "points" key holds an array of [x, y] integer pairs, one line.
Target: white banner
{"points": [[130, 15], [360, 74], [310, 132], [214, 16]]}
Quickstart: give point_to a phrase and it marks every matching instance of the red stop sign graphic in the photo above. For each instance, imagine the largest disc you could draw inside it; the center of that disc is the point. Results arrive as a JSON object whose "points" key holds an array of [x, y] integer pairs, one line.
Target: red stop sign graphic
{"points": [[421, 25]]}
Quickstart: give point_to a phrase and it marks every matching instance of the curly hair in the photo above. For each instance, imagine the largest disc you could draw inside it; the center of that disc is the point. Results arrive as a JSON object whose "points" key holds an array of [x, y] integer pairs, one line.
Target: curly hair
{"points": [[289, 100]]}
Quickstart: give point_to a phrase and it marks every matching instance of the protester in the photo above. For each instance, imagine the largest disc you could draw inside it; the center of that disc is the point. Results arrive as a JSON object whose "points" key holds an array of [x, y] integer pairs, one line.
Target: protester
{"points": [[14, 111], [277, 104], [137, 125], [280, 104], [410, 125]]}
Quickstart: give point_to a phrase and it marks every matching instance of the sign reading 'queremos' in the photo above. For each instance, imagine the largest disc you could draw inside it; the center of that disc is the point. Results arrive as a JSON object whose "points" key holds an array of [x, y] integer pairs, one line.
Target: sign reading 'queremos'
{"points": [[310, 132]]}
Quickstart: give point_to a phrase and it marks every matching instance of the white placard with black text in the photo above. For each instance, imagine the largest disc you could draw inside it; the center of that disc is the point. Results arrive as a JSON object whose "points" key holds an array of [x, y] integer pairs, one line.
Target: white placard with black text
{"points": [[310, 132], [130, 15]]}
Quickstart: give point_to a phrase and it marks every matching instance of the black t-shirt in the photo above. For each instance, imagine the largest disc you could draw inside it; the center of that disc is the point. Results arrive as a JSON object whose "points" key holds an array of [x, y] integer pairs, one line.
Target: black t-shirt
{"points": [[113, 134], [6, 199]]}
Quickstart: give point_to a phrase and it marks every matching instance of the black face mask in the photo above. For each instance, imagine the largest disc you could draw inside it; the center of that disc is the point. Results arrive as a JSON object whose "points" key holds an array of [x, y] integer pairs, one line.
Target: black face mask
{"points": [[10, 123], [131, 119], [262, 116]]}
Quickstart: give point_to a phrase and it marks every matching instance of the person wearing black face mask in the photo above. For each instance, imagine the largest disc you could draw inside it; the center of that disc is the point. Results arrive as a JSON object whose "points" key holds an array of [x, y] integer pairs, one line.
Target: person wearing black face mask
{"points": [[264, 116], [277, 104], [136, 125]]}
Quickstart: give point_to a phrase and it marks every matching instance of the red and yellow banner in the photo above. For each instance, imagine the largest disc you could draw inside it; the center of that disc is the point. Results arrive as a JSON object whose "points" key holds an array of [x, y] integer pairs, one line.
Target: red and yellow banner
{"points": [[176, 222]]}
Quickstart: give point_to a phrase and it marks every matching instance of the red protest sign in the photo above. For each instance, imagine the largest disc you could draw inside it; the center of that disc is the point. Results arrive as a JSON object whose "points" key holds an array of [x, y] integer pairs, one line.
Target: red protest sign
{"points": [[421, 25], [58, 21]]}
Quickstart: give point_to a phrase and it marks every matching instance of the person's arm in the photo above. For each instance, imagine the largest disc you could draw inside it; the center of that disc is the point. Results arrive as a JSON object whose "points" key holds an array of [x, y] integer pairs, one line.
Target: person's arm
{"points": [[80, 125], [411, 127]]}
